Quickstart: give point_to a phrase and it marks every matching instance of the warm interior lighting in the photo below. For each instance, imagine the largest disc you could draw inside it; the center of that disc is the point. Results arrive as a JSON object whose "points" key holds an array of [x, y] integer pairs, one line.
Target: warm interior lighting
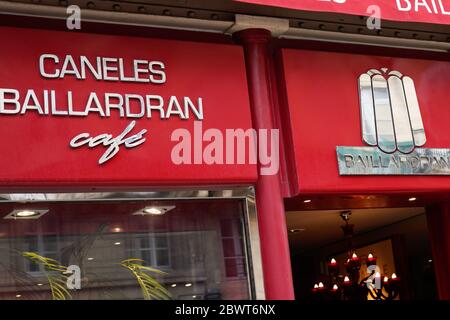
{"points": [[40, 284], [117, 229], [152, 210], [188, 284], [377, 275], [26, 213], [173, 285], [18, 295], [90, 259], [333, 261], [307, 201], [346, 279], [370, 256], [117, 243], [412, 199], [335, 287], [394, 276], [316, 286], [321, 285], [386, 279]]}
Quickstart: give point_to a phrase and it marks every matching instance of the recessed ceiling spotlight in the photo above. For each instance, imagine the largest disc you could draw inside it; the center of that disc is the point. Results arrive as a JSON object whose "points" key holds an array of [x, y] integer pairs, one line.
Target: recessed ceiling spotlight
{"points": [[18, 295], [188, 284], [173, 285], [117, 243], [117, 229], [40, 284], [153, 210], [412, 199], [26, 214], [307, 201], [90, 259]]}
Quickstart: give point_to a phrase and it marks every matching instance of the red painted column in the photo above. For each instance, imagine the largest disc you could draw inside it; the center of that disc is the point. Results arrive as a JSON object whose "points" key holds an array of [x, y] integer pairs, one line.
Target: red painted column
{"points": [[438, 218], [269, 201]]}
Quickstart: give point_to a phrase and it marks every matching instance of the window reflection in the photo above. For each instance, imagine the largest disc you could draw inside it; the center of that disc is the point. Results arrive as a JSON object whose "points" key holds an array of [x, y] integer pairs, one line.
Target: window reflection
{"points": [[194, 251]]}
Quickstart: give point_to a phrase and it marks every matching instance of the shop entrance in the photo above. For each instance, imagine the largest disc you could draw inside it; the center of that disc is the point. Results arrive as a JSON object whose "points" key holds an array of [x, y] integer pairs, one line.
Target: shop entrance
{"points": [[387, 255], [191, 245]]}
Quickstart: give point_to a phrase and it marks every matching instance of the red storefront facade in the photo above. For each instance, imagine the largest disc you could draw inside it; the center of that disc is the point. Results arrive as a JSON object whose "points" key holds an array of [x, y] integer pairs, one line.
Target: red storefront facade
{"points": [[154, 81]]}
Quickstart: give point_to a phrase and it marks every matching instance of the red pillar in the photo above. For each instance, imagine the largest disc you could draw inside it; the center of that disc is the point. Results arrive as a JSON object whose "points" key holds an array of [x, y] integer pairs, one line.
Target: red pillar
{"points": [[438, 218], [269, 201]]}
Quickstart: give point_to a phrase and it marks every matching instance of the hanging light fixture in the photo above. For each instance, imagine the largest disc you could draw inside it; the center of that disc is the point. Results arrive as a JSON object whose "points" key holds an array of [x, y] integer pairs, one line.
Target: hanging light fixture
{"points": [[349, 286]]}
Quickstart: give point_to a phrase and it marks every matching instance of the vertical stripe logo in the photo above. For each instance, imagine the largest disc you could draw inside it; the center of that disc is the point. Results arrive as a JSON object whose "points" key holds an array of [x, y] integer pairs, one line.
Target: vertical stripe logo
{"points": [[390, 114]]}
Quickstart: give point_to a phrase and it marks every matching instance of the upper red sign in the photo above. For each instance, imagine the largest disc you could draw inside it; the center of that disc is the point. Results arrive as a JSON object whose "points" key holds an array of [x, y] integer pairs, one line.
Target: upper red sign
{"points": [[428, 11], [95, 110], [364, 123]]}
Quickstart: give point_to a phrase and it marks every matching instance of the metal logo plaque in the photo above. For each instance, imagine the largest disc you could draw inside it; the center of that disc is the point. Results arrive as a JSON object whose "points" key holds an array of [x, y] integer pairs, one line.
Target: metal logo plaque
{"points": [[392, 126]]}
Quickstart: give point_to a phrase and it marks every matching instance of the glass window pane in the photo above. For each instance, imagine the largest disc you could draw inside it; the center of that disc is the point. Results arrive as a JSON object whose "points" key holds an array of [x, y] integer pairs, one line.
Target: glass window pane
{"points": [[196, 243]]}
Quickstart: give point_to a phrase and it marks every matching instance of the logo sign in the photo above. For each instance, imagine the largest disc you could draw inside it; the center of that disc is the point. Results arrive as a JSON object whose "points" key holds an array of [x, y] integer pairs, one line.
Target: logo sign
{"points": [[428, 11], [82, 109], [392, 126]]}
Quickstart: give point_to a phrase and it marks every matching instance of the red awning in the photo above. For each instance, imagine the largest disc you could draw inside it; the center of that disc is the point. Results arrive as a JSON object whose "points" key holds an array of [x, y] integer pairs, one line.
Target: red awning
{"points": [[428, 11]]}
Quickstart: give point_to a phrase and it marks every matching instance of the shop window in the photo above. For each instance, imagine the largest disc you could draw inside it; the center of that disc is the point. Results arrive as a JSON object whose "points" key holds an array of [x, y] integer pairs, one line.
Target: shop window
{"points": [[195, 250]]}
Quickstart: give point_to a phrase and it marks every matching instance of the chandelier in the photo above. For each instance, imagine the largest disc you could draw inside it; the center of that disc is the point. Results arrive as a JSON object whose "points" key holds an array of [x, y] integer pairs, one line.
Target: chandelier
{"points": [[336, 286]]}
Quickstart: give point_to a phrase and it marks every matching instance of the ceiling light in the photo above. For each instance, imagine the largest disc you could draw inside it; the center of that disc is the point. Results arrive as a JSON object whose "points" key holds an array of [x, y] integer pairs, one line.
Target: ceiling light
{"points": [[173, 285], [153, 210], [117, 243], [18, 295], [117, 229], [307, 201], [26, 214], [194, 297], [90, 259], [40, 284], [188, 284], [412, 199], [296, 230]]}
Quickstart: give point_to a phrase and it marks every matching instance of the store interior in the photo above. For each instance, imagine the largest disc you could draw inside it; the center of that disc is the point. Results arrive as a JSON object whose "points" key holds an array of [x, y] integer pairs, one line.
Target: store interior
{"points": [[360, 253]]}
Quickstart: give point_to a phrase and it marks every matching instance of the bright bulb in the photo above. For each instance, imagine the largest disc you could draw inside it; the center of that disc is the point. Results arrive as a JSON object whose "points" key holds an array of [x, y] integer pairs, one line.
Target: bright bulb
{"points": [[386, 279], [316, 286], [412, 199], [370, 256], [333, 260], [394, 276], [335, 287], [307, 201], [346, 279], [154, 211], [320, 285], [26, 213], [188, 284], [354, 256]]}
